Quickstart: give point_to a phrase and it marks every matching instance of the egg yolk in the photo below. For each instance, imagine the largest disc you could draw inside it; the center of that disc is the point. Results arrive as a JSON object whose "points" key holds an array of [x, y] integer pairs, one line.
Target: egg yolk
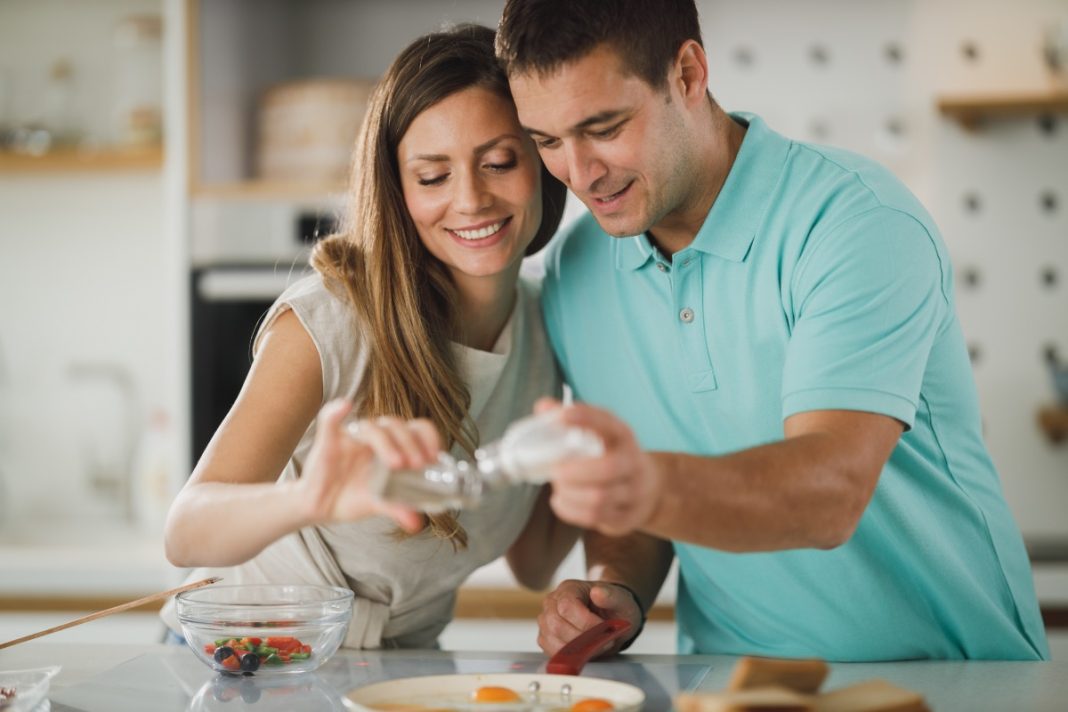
{"points": [[594, 704], [495, 694]]}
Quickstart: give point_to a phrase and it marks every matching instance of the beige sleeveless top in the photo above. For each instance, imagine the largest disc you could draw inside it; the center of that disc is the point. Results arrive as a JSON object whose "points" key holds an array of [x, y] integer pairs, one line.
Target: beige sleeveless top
{"points": [[405, 589]]}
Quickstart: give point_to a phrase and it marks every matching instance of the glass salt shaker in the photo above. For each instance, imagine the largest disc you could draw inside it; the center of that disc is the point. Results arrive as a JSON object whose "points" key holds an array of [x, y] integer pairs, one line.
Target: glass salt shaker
{"points": [[524, 454]]}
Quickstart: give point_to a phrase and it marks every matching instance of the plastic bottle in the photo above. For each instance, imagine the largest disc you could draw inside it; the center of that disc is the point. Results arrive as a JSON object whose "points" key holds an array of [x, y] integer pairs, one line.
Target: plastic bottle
{"points": [[526, 453], [151, 474]]}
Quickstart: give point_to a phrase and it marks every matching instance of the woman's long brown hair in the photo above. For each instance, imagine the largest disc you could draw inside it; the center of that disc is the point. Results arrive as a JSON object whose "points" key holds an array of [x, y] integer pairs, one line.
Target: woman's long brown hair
{"points": [[402, 295]]}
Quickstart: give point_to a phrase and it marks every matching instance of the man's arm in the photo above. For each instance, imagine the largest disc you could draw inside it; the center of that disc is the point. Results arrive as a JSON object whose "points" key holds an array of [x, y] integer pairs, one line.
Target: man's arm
{"points": [[638, 561], [808, 490]]}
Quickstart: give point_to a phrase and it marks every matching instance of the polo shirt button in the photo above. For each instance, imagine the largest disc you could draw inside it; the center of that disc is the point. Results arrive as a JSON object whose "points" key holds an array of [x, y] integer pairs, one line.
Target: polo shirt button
{"points": [[662, 267], [686, 315]]}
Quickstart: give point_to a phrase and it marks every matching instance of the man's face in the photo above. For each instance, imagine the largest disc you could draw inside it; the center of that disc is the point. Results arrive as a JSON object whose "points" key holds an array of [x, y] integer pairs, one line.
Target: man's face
{"points": [[619, 144]]}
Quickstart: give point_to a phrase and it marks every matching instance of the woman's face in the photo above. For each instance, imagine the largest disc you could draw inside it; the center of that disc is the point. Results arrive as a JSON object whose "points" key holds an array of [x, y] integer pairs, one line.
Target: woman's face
{"points": [[472, 184]]}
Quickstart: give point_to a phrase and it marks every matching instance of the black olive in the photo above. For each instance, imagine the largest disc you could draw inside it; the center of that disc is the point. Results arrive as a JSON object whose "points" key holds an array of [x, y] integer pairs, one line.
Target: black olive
{"points": [[223, 653], [250, 662]]}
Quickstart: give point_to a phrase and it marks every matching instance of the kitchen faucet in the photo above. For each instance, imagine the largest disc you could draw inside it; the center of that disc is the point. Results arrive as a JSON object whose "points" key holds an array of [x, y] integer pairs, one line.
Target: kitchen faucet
{"points": [[113, 479]]}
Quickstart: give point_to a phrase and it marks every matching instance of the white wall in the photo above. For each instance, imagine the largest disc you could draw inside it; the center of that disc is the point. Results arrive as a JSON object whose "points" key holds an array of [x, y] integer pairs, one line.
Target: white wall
{"points": [[80, 282], [84, 277]]}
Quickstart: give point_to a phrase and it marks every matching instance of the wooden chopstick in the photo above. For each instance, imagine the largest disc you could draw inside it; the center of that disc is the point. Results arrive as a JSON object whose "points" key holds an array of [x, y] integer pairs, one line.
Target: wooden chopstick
{"points": [[114, 609]]}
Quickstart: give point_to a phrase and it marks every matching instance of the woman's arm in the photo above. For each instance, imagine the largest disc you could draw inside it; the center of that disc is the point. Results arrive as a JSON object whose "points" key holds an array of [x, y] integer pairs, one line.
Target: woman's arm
{"points": [[232, 507], [542, 545]]}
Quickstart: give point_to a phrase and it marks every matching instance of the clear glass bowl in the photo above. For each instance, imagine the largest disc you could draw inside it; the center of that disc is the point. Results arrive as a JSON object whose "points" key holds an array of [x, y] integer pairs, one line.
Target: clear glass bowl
{"points": [[264, 629]]}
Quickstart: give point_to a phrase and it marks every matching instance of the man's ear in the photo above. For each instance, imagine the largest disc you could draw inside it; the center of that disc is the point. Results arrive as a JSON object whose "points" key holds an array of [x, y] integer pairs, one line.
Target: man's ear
{"points": [[689, 72]]}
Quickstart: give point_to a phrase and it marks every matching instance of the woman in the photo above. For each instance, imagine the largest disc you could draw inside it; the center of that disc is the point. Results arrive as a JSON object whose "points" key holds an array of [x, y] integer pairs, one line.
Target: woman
{"points": [[418, 322]]}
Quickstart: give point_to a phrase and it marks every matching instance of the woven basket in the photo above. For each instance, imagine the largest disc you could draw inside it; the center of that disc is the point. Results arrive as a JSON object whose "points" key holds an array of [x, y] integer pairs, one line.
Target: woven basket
{"points": [[307, 129]]}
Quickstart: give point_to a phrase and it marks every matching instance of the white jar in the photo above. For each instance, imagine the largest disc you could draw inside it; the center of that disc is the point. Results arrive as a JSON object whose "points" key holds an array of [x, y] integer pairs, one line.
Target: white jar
{"points": [[138, 117]]}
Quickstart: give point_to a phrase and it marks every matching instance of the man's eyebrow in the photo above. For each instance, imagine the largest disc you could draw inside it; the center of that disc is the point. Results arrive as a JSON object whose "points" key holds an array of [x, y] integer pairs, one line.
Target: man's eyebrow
{"points": [[481, 148], [603, 117], [599, 118]]}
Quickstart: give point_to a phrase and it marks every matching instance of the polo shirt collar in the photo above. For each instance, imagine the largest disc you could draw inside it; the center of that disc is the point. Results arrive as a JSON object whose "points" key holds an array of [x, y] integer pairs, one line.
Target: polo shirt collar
{"points": [[633, 252], [741, 205]]}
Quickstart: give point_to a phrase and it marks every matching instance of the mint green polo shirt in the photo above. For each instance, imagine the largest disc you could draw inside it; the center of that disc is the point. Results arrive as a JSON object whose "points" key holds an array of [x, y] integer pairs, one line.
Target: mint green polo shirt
{"points": [[816, 282]]}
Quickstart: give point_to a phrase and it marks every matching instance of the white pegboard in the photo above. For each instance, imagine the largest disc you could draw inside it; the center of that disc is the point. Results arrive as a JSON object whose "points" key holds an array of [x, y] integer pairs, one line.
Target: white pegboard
{"points": [[865, 75]]}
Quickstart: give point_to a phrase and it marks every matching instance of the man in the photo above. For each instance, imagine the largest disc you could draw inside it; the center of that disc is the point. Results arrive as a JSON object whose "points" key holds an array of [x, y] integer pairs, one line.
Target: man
{"points": [[763, 333]]}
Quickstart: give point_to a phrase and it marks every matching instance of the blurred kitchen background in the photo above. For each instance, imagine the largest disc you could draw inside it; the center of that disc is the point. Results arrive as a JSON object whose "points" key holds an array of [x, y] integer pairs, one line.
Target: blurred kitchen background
{"points": [[164, 165]]}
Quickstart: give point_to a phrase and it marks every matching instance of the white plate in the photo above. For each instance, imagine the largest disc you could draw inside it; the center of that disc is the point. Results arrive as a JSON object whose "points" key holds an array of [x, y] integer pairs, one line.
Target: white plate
{"points": [[454, 692]]}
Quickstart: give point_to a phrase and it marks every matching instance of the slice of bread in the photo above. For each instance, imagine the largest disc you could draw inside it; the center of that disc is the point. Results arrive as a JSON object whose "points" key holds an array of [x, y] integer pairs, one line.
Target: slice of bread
{"points": [[758, 699], [871, 696], [804, 676]]}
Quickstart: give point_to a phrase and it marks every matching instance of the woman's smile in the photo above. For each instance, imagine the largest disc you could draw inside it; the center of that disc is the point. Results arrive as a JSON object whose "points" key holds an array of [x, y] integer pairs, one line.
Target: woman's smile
{"points": [[480, 235], [471, 181]]}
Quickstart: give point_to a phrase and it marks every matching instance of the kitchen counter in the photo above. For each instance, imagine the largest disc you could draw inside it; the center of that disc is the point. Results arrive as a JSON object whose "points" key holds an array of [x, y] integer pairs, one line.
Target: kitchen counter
{"points": [[117, 678], [73, 560]]}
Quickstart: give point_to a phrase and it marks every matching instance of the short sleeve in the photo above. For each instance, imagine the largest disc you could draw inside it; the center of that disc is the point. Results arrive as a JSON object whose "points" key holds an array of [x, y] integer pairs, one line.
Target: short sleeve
{"points": [[331, 324], [868, 300]]}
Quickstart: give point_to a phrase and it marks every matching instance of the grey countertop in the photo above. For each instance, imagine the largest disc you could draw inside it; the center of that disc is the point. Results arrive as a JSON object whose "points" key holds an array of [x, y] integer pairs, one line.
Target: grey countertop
{"points": [[116, 678]]}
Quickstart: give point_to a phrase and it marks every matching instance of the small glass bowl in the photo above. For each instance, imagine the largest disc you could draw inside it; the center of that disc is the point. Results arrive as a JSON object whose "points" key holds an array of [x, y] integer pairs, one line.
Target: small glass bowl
{"points": [[30, 686], [264, 629]]}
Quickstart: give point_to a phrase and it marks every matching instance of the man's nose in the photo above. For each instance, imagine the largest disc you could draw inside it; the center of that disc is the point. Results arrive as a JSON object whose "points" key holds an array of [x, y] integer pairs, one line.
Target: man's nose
{"points": [[584, 168]]}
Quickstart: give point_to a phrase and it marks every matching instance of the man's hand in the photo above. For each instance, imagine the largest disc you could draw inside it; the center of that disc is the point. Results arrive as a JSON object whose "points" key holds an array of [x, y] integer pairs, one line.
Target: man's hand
{"points": [[576, 606], [615, 493]]}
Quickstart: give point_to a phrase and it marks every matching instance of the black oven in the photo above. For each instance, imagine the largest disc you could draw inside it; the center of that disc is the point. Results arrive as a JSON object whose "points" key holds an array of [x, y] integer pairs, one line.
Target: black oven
{"points": [[244, 254], [228, 304]]}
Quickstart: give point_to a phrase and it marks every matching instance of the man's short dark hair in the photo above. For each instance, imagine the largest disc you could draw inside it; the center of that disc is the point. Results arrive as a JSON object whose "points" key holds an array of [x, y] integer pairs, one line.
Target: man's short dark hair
{"points": [[539, 36]]}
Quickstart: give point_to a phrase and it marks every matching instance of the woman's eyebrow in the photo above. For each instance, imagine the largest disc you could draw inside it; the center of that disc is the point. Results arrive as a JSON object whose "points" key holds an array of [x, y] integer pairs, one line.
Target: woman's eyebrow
{"points": [[481, 148], [433, 157]]}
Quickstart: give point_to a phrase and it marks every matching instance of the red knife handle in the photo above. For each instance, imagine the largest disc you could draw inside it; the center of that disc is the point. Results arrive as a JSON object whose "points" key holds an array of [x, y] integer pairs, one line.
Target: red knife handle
{"points": [[570, 658]]}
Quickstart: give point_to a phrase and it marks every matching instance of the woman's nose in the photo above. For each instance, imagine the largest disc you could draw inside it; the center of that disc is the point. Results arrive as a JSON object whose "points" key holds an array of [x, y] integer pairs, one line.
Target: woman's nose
{"points": [[472, 195]]}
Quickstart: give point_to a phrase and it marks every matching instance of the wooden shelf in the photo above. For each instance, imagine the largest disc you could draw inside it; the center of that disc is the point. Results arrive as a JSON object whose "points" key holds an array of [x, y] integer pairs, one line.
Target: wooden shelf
{"points": [[970, 110], [1053, 420], [76, 160], [267, 190]]}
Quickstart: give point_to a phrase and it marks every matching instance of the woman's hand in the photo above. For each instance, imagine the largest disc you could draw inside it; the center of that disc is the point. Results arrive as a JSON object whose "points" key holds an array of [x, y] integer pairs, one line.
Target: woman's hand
{"points": [[335, 482]]}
